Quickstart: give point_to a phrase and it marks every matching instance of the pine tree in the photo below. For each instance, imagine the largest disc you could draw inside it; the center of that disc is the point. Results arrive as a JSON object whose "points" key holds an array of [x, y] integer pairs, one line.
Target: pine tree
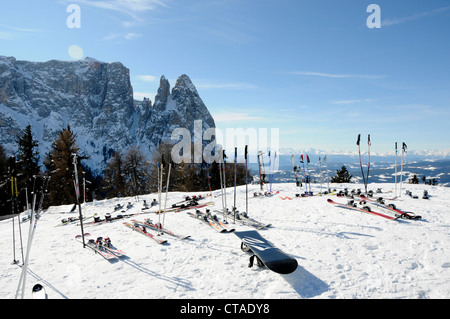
{"points": [[214, 172], [414, 179], [59, 165], [342, 176], [136, 172], [5, 191], [28, 157], [115, 179]]}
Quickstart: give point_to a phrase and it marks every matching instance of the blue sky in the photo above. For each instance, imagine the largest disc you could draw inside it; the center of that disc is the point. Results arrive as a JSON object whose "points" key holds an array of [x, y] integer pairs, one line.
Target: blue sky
{"points": [[313, 69]]}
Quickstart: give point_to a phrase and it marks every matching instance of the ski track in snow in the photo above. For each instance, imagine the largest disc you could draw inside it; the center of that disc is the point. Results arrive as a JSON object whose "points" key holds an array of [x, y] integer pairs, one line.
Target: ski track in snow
{"points": [[341, 254]]}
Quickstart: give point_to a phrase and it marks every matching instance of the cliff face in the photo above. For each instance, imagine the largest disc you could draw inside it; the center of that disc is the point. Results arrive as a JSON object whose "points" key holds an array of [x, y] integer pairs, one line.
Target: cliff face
{"points": [[96, 100]]}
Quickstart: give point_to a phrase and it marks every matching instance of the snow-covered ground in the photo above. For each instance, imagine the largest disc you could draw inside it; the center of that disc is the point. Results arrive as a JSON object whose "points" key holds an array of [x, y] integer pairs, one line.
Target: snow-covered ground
{"points": [[341, 254]]}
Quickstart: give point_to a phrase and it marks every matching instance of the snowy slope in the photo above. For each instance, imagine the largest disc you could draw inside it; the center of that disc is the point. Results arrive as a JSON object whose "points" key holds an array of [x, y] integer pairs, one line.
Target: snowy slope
{"points": [[341, 254]]}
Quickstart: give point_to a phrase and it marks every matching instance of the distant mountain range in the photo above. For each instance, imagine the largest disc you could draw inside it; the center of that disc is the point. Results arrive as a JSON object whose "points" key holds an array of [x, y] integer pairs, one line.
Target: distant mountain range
{"points": [[431, 164], [388, 156]]}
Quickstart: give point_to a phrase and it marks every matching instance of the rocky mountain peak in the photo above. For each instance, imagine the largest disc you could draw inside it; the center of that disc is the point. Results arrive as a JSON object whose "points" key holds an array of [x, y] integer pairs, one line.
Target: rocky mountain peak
{"points": [[96, 99]]}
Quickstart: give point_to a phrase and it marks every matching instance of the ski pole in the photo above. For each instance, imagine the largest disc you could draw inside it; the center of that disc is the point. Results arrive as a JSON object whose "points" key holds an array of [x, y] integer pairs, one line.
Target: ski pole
{"points": [[260, 170], [160, 180], [307, 174], [77, 192], [225, 184], [320, 174], [304, 174], [401, 174], [167, 191], [235, 172], [360, 161], [368, 165], [294, 167], [221, 184], [326, 174], [396, 151], [270, 173], [246, 182]]}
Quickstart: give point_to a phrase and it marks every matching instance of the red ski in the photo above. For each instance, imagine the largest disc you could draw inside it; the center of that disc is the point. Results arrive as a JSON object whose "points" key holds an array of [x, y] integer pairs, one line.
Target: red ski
{"points": [[391, 208], [364, 209], [93, 245], [144, 232]]}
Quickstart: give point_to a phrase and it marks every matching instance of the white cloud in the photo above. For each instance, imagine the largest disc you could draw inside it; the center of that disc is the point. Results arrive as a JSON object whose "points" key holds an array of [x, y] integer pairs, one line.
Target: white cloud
{"points": [[393, 21], [339, 76], [352, 101], [128, 7], [233, 117], [14, 32], [146, 78], [121, 36], [233, 86], [131, 35], [6, 35]]}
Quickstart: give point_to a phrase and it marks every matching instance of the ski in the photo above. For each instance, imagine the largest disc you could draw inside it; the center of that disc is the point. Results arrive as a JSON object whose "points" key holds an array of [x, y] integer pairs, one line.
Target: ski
{"points": [[182, 209], [265, 194], [108, 219], [147, 206], [67, 221], [258, 224], [216, 220], [245, 220], [148, 223], [391, 208], [364, 209], [143, 231], [93, 245], [205, 219], [71, 220], [108, 246]]}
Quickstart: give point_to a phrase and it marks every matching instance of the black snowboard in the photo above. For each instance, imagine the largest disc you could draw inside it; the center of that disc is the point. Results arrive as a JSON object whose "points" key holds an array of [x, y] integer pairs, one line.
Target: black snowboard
{"points": [[266, 254]]}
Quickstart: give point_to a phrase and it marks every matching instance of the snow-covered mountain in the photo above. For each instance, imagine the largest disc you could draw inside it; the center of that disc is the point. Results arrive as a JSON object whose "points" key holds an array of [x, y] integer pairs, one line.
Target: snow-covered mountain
{"points": [[96, 99]]}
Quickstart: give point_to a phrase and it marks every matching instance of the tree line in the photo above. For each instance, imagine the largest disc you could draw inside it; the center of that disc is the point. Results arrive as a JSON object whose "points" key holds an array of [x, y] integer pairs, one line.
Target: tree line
{"points": [[128, 173]]}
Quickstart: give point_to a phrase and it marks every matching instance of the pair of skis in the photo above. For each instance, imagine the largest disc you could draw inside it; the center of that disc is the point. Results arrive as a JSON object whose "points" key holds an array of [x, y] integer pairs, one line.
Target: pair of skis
{"points": [[184, 208], [246, 220], [389, 211], [101, 246], [212, 221], [389, 208], [108, 219], [366, 209], [148, 223], [143, 230]]}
